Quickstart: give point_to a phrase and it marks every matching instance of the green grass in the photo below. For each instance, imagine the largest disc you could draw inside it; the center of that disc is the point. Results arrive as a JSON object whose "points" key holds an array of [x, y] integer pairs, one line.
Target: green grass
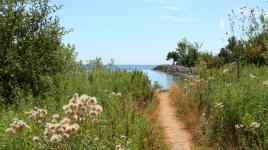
{"points": [[243, 101], [119, 124]]}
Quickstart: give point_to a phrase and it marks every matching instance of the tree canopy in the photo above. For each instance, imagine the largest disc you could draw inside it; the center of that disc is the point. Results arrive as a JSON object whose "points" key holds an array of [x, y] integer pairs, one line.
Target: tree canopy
{"points": [[186, 53], [31, 51]]}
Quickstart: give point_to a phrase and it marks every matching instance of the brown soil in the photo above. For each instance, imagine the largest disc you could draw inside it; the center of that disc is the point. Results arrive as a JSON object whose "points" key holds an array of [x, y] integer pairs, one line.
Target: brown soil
{"points": [[174, 130]]}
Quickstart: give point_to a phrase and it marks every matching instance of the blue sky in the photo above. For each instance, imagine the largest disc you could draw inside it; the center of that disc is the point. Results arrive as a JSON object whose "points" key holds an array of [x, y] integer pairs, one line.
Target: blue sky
{"points": [[143, 31]]}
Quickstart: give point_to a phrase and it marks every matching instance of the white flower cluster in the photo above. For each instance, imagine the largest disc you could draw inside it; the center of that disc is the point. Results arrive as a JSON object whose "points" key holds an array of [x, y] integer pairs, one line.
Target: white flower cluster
{"points": [[56, 131], [193, 80], [36, 138], [36, 113], [219, 105], [255, 125], [119, 147], [80, 107], [265, 83], [238, 126], [252, 76], [15, 126], [117, 94], [126, 144], [225, 71], [210, 78], [229, 85]]}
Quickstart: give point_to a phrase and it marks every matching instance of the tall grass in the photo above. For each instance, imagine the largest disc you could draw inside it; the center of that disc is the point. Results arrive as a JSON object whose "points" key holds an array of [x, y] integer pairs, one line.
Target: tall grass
{"points": [[118, 126], [232, 112]]}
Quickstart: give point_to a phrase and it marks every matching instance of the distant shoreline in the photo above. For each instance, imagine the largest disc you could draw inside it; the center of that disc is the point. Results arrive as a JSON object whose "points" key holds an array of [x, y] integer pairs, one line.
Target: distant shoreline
{"points": [[175, 69]]}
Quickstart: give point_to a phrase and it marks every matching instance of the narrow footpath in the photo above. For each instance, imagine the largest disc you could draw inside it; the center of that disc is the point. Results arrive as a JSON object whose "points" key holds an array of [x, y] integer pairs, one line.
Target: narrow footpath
{"points": [[176, 135]]}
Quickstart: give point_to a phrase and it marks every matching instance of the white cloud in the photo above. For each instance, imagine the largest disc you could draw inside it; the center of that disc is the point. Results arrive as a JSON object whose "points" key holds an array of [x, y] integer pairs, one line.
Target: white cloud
{"points": [[179, 19], [169, 5], [222, 24], [172, 8]]}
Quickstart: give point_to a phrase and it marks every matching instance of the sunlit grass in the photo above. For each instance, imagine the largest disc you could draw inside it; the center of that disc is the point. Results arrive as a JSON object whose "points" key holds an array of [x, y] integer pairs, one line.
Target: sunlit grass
{"points": [[114, 124], [233, 112]]}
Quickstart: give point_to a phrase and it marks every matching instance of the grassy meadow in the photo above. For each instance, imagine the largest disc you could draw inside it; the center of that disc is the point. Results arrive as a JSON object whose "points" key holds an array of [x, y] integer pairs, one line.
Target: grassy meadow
{"points": [[225, 112], [122, 123]]}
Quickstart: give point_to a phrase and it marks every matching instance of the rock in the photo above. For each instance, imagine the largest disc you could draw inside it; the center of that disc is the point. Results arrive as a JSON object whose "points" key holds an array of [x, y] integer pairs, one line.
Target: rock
{"points": [[175, 69]]}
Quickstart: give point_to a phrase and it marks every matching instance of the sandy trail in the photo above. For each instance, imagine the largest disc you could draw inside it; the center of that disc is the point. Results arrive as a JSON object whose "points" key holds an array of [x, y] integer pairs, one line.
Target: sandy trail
{"points": [[174, 130]]}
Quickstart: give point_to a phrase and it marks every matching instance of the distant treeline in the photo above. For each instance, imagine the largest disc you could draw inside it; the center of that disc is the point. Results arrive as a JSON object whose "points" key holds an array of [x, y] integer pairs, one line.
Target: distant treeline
{"points": [[247, 43]]}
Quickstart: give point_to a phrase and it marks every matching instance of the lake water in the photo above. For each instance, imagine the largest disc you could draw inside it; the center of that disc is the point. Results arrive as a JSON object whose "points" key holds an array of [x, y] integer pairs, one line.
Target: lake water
{"points": [[165, 80]]}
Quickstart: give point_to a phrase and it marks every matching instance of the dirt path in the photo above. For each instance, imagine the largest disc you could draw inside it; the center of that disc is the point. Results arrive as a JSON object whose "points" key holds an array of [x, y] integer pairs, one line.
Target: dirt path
{"points": [[174, 131]]}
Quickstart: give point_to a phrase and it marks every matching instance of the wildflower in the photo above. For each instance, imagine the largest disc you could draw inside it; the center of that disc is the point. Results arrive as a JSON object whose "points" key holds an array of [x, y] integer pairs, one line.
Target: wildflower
{"points": [[83, 98], [75, 96], [83, 106], [16, 125], [93, 113], [55, 132], [36, 113], [55, 116], [123, 137], [219, 105], [65, 121], [56, 138], [65, 107], [255, 125], [54, 121], [232, 63], [118, 147], [35, 138], [98, 108], [10, 131], [75, 127], [93, 100], [252, 76], [118, 94], [238, 126], [128, 142], [265, 83], [66, 135], [210, 78], [192, 83], [225, 71]]}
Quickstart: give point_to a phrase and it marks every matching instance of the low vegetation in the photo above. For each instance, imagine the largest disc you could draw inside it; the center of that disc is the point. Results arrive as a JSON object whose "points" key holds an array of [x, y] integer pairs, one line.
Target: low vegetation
{"points": [[231, 113], [107, 119]]}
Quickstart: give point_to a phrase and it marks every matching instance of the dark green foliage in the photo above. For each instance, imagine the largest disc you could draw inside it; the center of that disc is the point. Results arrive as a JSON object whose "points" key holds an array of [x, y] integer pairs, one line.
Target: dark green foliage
{"points": [[256, 50], [186, 53], [172, 56], [228, 53], [31, 52], [210, 60], [248, 41]]}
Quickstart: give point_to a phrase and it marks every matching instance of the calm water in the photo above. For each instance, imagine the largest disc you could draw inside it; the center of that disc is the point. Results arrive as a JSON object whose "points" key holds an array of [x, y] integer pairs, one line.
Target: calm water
{"points": [[165, 80]]}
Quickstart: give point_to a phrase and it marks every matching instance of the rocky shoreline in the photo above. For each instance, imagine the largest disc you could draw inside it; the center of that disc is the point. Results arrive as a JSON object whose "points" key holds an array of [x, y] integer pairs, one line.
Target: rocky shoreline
{"points": [[175, 69]]}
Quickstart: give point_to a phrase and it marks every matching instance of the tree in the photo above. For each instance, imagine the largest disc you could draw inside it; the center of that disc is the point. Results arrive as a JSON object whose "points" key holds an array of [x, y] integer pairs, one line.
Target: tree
{"points": [[172, 56], [30, 47], [187, 52], [228, 53]]}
